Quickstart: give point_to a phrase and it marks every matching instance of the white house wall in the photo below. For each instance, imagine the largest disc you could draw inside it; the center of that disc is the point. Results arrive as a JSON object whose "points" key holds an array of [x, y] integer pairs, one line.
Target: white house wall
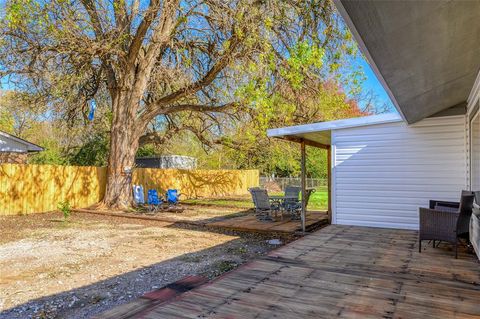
{"points": [[383, 173]]}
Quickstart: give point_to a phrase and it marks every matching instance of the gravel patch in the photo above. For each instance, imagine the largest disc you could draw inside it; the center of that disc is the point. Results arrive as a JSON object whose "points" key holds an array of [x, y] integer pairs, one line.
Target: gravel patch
{"points": [[53, 269]]}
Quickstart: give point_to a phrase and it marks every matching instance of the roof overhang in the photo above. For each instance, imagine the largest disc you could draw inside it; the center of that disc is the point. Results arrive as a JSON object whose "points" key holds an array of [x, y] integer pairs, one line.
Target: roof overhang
{"points": [[319, 134], [426, 54], [30, 146]]}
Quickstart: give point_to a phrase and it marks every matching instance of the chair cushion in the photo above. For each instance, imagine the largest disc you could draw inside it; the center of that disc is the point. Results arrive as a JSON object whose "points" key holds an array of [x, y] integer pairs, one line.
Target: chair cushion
{"points": [[475, 230], [445, 208], [476, 210]]}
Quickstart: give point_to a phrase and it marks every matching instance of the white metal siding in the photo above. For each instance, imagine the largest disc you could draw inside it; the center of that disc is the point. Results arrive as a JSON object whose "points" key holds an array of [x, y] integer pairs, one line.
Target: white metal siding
{"points": [[383, 173]]}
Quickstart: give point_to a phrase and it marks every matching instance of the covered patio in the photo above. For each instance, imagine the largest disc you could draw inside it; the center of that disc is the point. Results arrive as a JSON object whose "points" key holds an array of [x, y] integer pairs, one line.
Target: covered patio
{"points": [[341, 271]]}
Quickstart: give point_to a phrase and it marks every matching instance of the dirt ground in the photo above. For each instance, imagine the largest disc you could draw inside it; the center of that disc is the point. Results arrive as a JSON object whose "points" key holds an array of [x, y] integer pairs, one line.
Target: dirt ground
{"points": [[75, 269]]}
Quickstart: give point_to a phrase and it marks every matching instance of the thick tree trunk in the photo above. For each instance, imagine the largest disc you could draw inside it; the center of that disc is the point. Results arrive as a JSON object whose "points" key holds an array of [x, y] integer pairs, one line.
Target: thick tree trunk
{"points": [[121, 160]]}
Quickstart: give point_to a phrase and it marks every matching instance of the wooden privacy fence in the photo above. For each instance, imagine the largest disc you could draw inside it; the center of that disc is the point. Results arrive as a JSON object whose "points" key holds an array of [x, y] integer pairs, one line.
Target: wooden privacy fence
{"points": [[198, 183], [26, 189]]}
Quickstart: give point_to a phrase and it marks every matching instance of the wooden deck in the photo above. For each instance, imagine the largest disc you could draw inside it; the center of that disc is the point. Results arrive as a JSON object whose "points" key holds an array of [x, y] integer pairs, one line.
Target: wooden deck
{"points": [[340, 271], [246, 223], [250, 223]]}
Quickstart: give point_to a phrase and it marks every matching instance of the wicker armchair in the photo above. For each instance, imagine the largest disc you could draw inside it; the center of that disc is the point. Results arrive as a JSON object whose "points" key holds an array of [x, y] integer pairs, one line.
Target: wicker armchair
{"points": [[445, 222], [263, 208]]}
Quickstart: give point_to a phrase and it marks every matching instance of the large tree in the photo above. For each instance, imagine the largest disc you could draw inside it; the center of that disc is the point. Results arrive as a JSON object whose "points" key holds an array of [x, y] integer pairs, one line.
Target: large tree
{"points": [[182, 65]]}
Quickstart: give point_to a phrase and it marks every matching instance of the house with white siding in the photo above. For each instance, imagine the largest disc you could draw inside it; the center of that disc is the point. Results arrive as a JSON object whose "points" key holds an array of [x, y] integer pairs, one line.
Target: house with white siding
{"points": [[14, 149], [384, 167]]}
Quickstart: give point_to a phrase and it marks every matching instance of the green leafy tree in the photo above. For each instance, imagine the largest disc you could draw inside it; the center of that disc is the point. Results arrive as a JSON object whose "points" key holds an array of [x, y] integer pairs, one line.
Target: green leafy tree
{"points": [[18, 115], [6, 121], [314, 101]]}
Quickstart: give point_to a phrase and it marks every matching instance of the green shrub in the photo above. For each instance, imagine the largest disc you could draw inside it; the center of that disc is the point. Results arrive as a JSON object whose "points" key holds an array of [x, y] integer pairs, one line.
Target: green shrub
{"points": [[65, 208]]}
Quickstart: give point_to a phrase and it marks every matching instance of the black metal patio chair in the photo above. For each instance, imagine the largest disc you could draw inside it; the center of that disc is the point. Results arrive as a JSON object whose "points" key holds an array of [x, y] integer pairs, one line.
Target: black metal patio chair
{"points": [[295, 210], [263, 208], [293, 192]]}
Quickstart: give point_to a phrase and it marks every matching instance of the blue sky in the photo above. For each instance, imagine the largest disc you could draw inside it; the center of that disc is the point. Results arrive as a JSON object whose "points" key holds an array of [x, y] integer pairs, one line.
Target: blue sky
{"points": [[372, 84]]}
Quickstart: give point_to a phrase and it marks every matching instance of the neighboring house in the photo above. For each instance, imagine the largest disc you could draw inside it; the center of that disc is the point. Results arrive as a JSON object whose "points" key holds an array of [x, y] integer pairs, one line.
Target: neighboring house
{"points": [[167, 161], [14, 149], [384, 167]]}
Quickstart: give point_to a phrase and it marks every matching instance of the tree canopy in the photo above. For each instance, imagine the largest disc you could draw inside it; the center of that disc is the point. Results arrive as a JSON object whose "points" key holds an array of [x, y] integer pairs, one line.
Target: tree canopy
{"points": [[221, 70]]}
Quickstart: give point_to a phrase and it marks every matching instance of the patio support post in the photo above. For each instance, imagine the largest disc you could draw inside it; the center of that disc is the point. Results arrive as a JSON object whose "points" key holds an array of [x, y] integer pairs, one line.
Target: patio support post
{"points": [[329, 183], [304, 192]]}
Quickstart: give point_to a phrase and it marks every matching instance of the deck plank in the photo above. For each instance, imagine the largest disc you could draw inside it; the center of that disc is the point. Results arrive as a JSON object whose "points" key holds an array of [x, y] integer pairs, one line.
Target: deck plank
{"points": [[250, 223], [341, 272]]}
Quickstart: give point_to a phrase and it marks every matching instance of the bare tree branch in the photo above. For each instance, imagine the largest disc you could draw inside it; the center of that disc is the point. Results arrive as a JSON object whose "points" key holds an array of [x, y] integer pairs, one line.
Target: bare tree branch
{"points": [[121, 15], [161, 35], [94, 18], [157, 137], [142, 30], [156, 108], [199, 108], [89, 5]]}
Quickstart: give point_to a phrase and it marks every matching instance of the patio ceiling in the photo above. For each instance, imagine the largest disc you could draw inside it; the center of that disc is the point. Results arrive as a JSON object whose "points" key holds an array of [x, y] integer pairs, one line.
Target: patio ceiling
{"points": [[426, 54]]}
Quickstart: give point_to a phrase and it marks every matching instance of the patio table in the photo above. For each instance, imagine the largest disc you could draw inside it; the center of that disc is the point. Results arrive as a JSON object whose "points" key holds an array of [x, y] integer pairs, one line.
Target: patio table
{"points": [[280, 199]]}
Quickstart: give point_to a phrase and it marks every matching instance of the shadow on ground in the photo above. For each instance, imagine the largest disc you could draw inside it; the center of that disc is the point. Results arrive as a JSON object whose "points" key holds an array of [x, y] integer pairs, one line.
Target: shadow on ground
{"points": [[92, 299]]}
